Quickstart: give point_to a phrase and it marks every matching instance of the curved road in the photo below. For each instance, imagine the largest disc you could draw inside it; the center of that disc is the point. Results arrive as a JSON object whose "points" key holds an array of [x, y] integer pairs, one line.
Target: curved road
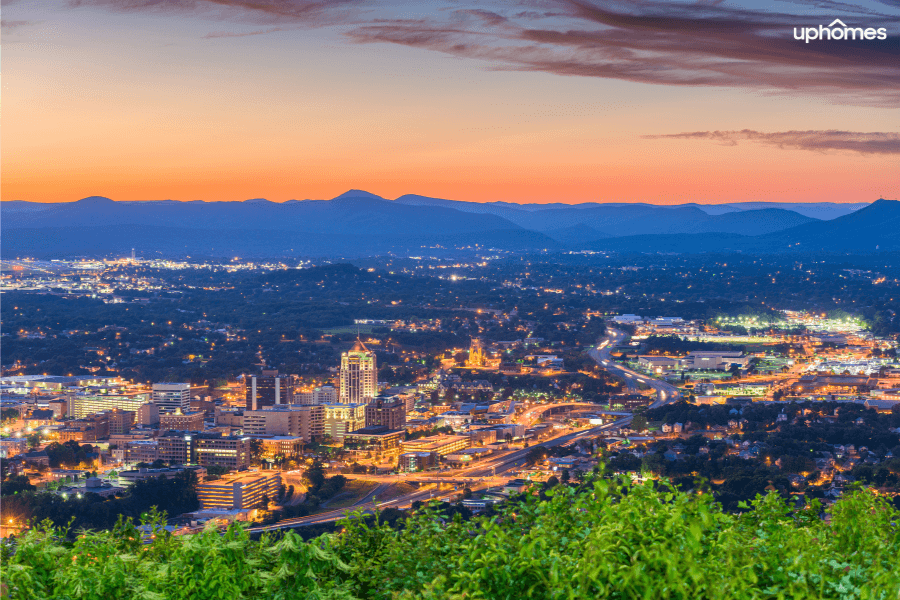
{"points": [[665, 392]]}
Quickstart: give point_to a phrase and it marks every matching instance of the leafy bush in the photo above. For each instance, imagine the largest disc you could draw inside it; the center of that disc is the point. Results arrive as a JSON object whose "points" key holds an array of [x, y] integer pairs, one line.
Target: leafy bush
{"points": [[604, 539]]}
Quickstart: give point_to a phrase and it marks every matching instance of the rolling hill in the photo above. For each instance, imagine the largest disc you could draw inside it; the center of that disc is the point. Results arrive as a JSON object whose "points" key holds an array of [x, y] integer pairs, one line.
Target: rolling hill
{"points": [[361, 223]]}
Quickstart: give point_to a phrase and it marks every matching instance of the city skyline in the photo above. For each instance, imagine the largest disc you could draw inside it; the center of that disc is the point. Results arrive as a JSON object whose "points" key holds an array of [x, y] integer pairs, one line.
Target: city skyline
{"points": [[571, 102]]}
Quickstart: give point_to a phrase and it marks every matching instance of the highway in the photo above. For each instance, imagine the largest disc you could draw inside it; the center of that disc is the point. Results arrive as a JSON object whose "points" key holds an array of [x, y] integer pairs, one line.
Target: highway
{"points": [[491, 471], [485, 474], [665, 392]]}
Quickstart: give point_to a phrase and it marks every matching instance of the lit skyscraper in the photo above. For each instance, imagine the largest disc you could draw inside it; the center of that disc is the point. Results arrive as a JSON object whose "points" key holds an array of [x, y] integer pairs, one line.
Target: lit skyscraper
{"points": [[359, 377]]}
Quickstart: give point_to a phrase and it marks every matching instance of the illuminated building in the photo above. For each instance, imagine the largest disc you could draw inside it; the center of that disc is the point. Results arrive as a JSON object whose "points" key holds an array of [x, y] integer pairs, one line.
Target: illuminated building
{"points": [[83, 405], [476, 354], [302, 421], [239, 491], [271, 389], [386, 411], [169, 397], [341, 419], [359, 379]]}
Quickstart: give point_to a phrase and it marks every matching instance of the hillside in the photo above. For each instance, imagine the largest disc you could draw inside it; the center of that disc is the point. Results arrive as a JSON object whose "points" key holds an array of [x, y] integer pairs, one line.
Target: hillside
{"points": [[873, 228], [358, 223], [605, 539]]}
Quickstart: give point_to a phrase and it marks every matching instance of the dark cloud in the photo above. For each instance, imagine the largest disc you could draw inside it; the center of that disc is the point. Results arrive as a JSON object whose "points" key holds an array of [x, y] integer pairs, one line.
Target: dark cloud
{"points": [[819, 141], [274, 12], [706, 43]]}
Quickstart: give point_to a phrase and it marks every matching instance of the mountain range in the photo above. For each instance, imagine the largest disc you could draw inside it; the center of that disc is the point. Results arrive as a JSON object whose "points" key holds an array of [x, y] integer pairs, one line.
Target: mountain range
{"points": [[360, 223]]}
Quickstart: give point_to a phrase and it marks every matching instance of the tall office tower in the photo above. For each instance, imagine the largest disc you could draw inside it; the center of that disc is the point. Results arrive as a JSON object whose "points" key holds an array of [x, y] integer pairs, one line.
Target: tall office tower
{"points": [[359, 378], [270, 389], [169, 397]]}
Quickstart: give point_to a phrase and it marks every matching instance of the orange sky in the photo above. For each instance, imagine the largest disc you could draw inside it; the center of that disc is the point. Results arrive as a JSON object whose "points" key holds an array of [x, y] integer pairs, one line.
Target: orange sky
{"points": [[159, 111]]}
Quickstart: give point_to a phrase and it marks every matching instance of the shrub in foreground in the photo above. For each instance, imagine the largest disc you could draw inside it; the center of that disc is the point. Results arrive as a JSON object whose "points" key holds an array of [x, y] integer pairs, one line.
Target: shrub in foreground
{"points": [[608, 539]]}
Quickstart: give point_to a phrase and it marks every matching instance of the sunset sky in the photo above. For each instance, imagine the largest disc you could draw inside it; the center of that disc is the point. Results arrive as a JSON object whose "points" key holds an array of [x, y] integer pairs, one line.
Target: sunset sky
{"points": [[532, 101]]}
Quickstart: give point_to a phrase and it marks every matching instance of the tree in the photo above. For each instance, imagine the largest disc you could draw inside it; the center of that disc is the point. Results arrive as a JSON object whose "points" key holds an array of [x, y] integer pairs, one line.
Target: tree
{"points": [[16, 484], [314, 477], [639, 423], [256, 447], [564, 477]]}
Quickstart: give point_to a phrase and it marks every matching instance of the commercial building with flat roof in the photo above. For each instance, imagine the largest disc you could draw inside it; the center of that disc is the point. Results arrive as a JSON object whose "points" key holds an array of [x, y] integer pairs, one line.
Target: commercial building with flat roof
{"points": [[83, 405], [286, 446], [386, 411], [440, 444], [225, 451], [179, 420], [247, 490], [306, 422], [341, 419], [171, 396], [270, 389], [379, 438]]}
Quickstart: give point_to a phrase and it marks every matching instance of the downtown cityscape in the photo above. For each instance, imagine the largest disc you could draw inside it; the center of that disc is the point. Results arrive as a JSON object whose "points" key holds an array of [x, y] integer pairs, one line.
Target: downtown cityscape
{"points": [[549, 300]]}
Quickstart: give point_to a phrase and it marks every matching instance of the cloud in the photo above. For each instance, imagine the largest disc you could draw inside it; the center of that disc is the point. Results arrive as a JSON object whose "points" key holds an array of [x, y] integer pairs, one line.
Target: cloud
{"points": [[707, 43], [819, 141], [271, 12], [8, 25], [227, 34]]}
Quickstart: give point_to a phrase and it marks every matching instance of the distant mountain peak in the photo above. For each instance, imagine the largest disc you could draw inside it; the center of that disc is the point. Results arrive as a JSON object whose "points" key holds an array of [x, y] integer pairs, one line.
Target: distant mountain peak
{"points": [[95, 201], [358, 194], [258, 201]]}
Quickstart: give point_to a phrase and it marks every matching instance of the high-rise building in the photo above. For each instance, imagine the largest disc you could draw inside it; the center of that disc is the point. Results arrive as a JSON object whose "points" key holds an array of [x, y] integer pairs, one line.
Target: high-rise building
{"points": [[169, 397], [386, 411], [359, 376], [270, 389]]}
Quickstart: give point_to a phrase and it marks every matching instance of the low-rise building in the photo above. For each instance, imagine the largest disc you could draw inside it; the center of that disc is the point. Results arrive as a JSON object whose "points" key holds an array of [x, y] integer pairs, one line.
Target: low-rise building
{"points": [[135, 475], [225, 451], [285, 446], [411, 462], [306, 422], [191, 420], [246, 490], [377, 438], [440, 444], [714, 360], [341, 419], [10, 447]]}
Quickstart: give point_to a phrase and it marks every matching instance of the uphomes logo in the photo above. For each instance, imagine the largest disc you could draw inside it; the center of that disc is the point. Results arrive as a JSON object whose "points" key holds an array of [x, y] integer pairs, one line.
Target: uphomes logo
{"points": [[839, 31]]}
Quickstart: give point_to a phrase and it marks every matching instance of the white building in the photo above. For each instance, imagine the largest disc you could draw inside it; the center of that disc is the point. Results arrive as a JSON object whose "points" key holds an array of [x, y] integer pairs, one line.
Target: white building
{"points": [[359, 376], [169, 397]]}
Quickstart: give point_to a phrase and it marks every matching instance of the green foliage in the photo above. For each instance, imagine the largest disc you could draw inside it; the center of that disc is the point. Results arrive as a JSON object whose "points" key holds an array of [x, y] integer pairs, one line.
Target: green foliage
{"points": [[606, 538]]}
